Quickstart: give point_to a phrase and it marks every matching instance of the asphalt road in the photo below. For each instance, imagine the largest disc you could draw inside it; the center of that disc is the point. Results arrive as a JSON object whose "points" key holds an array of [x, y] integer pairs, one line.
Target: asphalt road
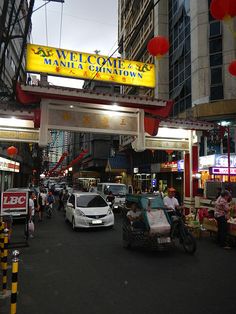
{"points": [[88, 272]]}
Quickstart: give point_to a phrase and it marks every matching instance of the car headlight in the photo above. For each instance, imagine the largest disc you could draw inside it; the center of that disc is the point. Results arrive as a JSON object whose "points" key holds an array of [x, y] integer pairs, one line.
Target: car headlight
{"points": [[79, 212], [109, 212]]}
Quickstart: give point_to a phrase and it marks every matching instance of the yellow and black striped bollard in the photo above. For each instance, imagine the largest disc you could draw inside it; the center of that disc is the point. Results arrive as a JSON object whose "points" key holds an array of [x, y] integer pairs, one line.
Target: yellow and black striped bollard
{"points": [[1, 240], [4, 262], [14, 282]]}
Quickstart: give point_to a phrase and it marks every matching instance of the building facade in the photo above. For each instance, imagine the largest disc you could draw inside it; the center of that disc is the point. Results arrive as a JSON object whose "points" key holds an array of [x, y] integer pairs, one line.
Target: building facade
{"points": [[13, 16], [195, 71]]}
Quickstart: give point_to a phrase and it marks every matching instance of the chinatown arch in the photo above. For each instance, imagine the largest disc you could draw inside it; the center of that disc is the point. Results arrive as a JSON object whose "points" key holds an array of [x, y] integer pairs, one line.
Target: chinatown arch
{"points": [[143, 122]]}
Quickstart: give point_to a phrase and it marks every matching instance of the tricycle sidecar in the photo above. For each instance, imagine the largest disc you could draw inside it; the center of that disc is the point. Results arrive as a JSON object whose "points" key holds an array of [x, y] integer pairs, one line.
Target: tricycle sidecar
{"points": [[161, 229]]}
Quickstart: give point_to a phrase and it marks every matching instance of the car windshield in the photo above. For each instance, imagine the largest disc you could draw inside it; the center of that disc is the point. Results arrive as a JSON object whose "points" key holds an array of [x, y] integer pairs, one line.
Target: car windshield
{"points": [[90, 201], [116, 189]]}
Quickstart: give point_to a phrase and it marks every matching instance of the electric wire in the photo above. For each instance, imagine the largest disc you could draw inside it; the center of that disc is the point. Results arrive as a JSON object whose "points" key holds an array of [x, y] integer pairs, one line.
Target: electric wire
{"points": [[62, 6], [24, 16], [112, 54], [46, 24]]}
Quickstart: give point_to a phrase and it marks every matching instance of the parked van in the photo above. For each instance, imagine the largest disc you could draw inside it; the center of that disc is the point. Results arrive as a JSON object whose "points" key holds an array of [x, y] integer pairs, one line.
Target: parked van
{"points": [[119, 191]]}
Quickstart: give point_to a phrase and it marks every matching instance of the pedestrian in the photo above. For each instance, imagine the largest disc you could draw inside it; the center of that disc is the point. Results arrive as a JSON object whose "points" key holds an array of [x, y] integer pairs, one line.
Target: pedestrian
{"points": [[222, 213], [41, 202], [60, 201], [65, 198], [31, 213], [110, 198], [50, 200]]}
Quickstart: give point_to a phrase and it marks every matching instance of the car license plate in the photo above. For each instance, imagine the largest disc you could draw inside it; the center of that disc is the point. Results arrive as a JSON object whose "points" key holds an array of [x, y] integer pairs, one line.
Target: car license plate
{"points": [[97, 222], [163, 240]]}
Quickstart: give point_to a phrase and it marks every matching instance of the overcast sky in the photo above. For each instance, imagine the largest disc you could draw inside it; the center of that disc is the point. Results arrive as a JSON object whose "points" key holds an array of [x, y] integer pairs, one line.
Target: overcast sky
{"points": [[87, 25]]}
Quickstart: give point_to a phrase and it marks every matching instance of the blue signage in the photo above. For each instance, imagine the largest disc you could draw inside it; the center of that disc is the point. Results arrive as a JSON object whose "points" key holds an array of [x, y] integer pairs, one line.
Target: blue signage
{"points": [[154, 182]]}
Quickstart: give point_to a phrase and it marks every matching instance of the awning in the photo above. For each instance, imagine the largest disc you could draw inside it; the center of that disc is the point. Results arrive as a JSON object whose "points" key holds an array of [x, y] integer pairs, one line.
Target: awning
{"points": [[119, 163]]}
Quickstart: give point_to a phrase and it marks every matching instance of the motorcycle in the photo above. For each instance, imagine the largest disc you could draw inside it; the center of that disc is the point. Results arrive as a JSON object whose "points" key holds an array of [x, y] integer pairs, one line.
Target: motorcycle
{"points": [[180, 231], [49, 209]]}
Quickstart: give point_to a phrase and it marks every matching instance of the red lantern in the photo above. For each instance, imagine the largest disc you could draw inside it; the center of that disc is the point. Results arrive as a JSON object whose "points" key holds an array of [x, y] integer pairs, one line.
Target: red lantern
{"points": [[223, 9], [12, 150], [232, 68], [158, 46], [169, 152]]}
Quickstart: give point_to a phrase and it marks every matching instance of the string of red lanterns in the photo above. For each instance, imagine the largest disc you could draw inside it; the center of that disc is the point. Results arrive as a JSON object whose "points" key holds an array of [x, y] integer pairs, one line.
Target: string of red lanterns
{"points": [[232, 68], [158, 46], [12, 151], [225, 10]]}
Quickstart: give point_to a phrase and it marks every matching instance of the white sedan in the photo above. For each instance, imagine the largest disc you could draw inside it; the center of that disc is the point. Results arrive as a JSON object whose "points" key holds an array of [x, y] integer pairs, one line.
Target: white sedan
{"points": [[88, 210]]}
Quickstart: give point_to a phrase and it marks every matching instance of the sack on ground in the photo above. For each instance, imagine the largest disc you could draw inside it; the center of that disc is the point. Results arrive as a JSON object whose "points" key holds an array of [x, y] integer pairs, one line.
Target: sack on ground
{"points": [[31, 226], [158, 222]]}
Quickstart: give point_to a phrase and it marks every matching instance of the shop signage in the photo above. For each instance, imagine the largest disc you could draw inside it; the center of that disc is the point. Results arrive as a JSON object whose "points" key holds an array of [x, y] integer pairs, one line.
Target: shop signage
{"points": [[14, 203], [169, 166], [151, 143], [222, 171], [216, 161], [19, 135], [9, 165], [154, 183], [222, 160], [94, 121], [206, 161], [180, 165], [62, 62]]}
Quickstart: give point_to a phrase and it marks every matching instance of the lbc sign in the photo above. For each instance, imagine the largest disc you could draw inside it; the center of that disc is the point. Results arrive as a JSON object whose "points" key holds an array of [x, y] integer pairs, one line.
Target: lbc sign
{"points": [[14, 203]]}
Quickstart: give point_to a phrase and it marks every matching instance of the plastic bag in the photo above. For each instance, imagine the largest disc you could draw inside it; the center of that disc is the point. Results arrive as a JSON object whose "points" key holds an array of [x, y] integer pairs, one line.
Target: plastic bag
{"points": [[31, 226]]}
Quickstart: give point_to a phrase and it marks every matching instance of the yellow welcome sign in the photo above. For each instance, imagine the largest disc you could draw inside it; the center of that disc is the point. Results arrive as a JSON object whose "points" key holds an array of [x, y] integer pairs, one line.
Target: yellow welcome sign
{"points": [[62, 62]]}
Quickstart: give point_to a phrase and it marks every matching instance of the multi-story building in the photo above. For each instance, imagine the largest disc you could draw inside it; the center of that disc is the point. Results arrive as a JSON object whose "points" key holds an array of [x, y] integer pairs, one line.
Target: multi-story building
{"points": [[13, 16], [195, 72]]}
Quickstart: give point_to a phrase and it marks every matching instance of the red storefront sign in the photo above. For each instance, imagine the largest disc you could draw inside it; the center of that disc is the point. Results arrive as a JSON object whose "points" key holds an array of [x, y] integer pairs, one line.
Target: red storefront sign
{"points": [[169, 166], [14, 203]]}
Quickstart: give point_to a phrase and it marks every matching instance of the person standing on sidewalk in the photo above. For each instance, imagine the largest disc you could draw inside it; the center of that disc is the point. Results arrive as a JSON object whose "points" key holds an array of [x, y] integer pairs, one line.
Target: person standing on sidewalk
{"points": [[31, 214], [222, 210], [42, 202], [60, 200], [65, 198]]}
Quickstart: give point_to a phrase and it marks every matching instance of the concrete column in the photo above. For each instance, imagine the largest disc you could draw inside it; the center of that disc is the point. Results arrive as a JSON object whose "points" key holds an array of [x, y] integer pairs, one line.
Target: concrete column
{"points": [[43, 131], [161, 27], [199, 51], [229, 54]]}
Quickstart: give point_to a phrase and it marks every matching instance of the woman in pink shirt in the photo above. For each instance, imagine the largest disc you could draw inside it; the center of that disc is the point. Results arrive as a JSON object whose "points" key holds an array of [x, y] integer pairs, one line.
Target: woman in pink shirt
{"points": [[222, 210]]}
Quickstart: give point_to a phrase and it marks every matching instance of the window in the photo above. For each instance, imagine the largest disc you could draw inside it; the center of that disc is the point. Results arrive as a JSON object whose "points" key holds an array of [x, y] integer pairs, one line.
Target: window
{"points": [[13, 66], [187, 86], [90, 201], [216, 76], [216, 59], [187, 44], [217, 92], [215, 29], [187, 72], [215, 45]]}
